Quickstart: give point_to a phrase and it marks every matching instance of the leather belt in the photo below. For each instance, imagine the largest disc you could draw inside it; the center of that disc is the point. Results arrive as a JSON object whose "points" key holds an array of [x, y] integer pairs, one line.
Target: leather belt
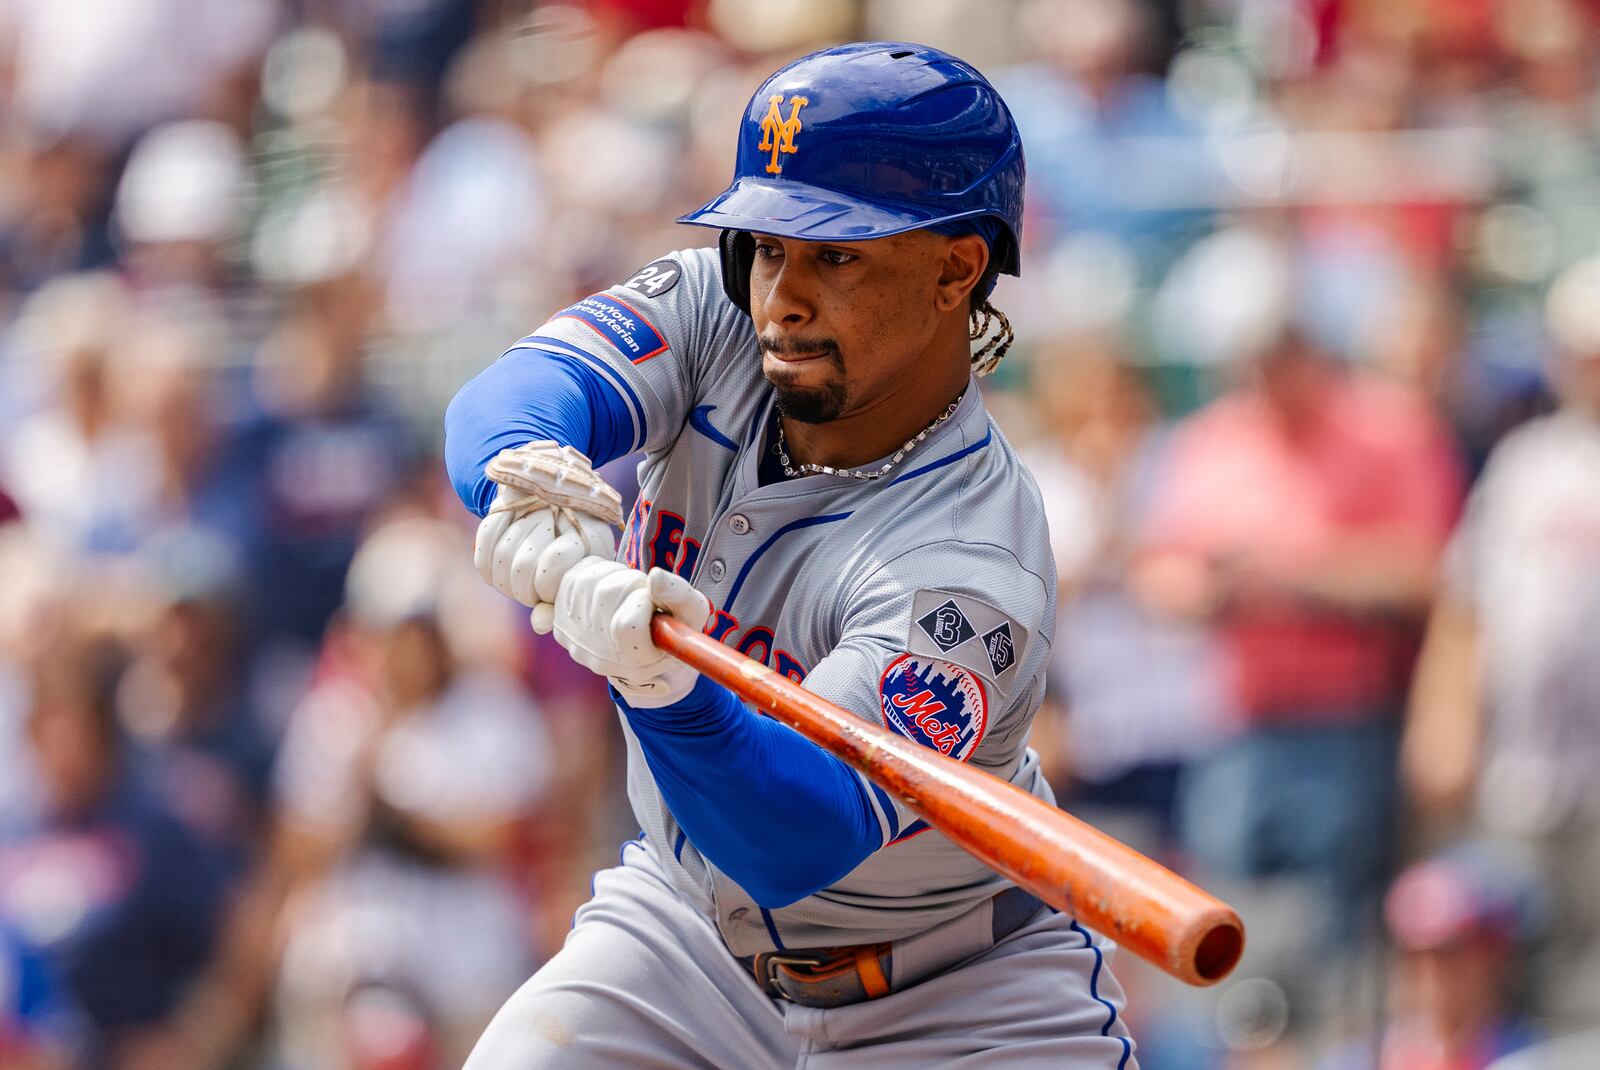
{"points": [[838, 976]]}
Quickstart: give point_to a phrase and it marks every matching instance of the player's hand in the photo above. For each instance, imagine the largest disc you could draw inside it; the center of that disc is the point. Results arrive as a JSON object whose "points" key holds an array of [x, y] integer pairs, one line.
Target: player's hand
{"points": [[525, 556], [602, 618], [552, 510]]}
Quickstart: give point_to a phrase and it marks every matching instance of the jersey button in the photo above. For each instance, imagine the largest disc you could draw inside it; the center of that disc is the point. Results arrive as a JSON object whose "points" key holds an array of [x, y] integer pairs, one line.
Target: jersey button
{"points": [[739, 524], [718, 570]]}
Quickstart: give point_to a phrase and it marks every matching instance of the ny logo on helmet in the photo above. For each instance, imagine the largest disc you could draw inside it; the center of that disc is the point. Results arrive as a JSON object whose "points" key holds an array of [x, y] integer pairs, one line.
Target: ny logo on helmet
{"points": [[777, 133]]}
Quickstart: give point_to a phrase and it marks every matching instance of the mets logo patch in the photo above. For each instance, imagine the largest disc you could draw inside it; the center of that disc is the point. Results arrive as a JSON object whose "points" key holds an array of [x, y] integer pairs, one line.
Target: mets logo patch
{"points": [[937, 703]]}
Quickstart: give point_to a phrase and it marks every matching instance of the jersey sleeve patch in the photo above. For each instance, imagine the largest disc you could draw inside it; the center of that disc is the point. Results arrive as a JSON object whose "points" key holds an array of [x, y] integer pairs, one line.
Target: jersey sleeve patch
{"points": [[967, 632], [620, 324], [655, 279], [936, 703]]}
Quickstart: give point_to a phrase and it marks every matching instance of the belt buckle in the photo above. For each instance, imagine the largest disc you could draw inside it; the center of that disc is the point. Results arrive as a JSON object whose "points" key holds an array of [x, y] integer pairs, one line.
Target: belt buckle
{"points": [[769, 968]]}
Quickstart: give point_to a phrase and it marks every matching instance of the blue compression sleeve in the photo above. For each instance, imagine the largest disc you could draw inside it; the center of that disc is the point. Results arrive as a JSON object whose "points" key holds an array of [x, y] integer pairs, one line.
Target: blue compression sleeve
{"points": [[780, 817], [530, 394]]}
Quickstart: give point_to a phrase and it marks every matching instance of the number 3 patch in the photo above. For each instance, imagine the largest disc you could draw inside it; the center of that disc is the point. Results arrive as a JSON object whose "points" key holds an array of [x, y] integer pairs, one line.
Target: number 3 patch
{"points": [[935, 702], [655, 279]]}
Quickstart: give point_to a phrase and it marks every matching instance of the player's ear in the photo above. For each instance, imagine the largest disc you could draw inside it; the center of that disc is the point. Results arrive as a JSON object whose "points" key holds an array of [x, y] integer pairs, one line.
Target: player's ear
{"points": [[965, 257]]}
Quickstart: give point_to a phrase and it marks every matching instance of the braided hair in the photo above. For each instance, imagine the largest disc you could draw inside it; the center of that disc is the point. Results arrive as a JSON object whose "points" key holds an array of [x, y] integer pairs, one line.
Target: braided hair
{"points": [[985, 318]]}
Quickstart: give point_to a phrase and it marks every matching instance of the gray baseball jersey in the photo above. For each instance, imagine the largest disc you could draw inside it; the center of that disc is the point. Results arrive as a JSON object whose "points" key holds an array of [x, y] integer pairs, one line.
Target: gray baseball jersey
{"points": [[924, 601]]}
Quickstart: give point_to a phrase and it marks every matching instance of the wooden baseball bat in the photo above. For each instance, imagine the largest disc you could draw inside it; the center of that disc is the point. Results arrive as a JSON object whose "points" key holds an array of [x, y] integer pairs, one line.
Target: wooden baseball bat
{"points": [[1074, 867]]}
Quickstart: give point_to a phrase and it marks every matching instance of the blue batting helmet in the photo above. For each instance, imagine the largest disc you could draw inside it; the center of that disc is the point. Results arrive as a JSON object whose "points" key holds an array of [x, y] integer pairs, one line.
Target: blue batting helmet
{"points": [[872, 139]]}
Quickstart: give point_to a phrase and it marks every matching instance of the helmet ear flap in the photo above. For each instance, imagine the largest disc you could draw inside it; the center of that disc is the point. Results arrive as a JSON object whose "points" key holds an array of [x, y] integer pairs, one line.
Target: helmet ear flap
{"points": [[1004, 256], [738, 250]]}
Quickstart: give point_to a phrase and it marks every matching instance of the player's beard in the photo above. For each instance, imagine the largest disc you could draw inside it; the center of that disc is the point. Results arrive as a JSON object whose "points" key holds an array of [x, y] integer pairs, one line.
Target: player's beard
{"points": [[812, 404]]}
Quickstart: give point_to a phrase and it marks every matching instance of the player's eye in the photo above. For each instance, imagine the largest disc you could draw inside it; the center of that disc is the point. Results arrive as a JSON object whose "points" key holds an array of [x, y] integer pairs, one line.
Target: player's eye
{"points": [[837, 257], [768, 250]]}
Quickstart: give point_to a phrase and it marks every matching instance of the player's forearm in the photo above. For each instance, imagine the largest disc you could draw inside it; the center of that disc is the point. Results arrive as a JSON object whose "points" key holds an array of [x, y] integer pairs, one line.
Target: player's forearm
{"points": [[780, 817], [528, 395]]}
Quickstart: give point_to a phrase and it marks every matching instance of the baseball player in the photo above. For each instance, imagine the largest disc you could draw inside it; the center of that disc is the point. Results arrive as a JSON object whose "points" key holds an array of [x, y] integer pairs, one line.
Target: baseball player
{"points": [[822, 490]]}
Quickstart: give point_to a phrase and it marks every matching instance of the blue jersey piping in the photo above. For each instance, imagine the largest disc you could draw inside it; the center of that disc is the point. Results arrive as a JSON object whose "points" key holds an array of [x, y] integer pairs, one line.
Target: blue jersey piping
{"points": [[772, 929], [794, 525], [1094, 994], [941, 462], [888, 809]]}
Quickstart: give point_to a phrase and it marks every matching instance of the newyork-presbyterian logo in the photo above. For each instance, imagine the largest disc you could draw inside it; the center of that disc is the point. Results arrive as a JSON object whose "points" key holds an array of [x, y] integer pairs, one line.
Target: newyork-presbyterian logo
{"points": [[777, 133]]}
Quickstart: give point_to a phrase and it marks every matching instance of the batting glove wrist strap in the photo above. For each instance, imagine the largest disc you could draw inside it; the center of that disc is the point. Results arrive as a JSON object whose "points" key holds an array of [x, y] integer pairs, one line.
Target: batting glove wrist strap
{"points": [[547, 473], [552, 510]]}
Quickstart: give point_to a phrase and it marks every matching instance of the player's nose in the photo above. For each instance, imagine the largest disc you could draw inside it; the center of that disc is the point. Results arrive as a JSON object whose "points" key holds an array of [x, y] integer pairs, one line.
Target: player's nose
{"points": [[788, 299]]}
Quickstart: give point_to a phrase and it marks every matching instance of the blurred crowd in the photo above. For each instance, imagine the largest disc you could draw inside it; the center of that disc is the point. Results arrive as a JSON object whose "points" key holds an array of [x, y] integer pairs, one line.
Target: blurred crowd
{"points": [[1308, 370]]}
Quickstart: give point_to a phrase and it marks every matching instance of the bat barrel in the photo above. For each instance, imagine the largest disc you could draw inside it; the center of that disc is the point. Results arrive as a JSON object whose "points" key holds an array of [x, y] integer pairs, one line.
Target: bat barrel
{"points": [[1076, 868]]}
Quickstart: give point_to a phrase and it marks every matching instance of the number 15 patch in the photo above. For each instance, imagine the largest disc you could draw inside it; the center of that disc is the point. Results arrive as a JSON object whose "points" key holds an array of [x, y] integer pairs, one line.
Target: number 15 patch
{"points": [[936, 703]]}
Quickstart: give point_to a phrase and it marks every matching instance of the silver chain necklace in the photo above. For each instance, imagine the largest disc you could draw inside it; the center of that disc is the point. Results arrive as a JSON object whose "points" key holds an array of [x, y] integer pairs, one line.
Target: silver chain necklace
{"points": [[790, 472]]}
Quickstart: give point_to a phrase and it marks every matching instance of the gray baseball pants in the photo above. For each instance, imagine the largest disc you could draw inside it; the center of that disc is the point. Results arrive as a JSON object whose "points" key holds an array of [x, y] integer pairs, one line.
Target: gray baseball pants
{"points": [[644, 981]]}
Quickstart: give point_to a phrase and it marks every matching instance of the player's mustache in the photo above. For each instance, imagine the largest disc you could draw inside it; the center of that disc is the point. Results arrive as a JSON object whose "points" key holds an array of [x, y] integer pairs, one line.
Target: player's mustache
{"points": [[791, 347]]}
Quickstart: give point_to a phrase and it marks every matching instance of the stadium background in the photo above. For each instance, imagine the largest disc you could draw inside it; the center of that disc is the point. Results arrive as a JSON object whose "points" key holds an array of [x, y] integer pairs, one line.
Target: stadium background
{"points": [[1285, 272]]}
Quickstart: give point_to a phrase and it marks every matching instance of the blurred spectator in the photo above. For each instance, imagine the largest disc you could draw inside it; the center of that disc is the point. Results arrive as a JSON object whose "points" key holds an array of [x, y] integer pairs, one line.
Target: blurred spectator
{"points": [[185, 699], [66, 463], [182, 206], [85, 80], [1420, 343], [1139, 693], [181, 199], [1303, 514], [53, 219], [186, 461], [383, 129], [107, 70], [327, 449], [1505, 715], [1106, 150], [120, 896], [402, 783], [1460, 923], [407, 42], [469, 214], [19, 794]]}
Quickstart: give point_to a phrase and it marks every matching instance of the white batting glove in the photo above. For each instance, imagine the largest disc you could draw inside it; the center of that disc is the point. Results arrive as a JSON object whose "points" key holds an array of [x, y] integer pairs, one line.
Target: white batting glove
{"points": [[524, 557], [550, 512], [602, 618]]}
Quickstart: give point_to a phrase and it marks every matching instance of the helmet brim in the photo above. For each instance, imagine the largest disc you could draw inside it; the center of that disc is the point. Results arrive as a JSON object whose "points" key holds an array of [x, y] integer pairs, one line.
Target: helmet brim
{"points": [[788, 209]]}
